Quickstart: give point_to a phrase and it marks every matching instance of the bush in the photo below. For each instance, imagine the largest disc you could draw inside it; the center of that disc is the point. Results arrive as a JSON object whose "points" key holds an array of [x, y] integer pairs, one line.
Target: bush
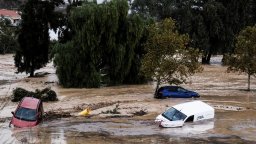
{"points": [[45, 94], [19, 93], [114, 111]]}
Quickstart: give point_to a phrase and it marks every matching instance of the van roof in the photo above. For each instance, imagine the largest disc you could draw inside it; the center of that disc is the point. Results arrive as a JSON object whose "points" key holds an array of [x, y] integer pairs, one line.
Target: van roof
{"points": [[194, 107], [29, 102]]}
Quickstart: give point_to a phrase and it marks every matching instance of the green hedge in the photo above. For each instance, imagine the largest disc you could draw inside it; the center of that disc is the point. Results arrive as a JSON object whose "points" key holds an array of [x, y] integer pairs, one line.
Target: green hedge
{"points": [[45, 94]]}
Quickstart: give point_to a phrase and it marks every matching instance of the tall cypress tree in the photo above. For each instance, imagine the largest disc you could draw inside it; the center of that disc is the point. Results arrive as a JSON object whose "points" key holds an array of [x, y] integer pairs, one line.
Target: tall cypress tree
{"points": [[33, 38]]}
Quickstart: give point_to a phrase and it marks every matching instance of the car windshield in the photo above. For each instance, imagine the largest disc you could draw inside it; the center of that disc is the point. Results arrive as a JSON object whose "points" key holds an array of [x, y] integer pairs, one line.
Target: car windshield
{"points": [[26, 114], [173, 115]]}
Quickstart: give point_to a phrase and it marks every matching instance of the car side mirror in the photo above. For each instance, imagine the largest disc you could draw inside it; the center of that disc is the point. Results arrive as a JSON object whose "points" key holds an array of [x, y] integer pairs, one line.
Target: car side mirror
{"points": [[12, 113]]}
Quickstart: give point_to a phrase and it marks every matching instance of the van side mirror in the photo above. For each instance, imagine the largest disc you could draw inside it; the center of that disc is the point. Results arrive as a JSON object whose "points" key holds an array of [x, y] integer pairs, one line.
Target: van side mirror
{"points": [[12, 113]]}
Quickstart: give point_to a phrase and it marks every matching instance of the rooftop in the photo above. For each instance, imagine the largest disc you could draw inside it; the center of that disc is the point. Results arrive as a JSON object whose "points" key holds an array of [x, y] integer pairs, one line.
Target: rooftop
{"points": [[10, 13]]}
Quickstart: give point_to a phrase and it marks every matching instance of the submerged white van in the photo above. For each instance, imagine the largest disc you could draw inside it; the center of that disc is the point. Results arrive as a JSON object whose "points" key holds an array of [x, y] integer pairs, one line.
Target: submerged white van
{"points": [[177, 115]]}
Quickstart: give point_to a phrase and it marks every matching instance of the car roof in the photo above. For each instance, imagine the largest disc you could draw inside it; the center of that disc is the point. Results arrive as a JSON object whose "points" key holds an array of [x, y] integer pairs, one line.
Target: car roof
{"points": [[170, 86], [194, 107], [30, 102]]}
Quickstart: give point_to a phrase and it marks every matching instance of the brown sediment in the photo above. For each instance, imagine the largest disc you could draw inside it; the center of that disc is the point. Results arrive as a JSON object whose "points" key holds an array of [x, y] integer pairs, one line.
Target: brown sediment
{"points": [[235, 108]]}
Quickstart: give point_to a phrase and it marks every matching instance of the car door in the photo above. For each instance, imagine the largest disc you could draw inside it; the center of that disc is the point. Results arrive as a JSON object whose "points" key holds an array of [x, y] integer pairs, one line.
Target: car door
{"points": [[173, 92], [182, 93], [166, 91]]}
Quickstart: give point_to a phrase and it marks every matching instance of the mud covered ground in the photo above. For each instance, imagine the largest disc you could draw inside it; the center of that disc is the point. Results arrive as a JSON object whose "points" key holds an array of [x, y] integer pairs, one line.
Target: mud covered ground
{"points": [[235, 117]]}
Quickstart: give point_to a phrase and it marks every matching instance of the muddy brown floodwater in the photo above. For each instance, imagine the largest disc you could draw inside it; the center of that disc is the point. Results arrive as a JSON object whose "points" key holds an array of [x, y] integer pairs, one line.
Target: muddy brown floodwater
{"points": [[234, 122]]}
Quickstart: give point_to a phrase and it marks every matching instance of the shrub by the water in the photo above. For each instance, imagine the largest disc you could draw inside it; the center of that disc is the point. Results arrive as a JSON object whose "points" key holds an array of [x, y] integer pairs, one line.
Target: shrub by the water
{"points": [[49, 95], [19, 93], [45, 94]]}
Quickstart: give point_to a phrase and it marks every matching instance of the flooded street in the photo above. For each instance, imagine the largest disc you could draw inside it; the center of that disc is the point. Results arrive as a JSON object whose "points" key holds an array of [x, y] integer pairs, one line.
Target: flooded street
{"points": [[234, 122], [128, 131]]}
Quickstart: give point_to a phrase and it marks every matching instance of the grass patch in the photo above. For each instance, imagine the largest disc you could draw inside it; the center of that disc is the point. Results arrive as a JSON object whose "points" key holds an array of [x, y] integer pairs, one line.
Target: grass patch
{"points": [[114, 111], [50, 115], [140, 112]]}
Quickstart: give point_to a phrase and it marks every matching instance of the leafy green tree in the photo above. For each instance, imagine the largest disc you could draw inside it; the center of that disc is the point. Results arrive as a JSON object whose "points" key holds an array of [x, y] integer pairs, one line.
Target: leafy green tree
{"points": [[102, 46], [252, 11], [199, 33], [211, 24], [66, 32], [135, 76], [236, 18], [10, 4], [213, 14], [146, 8], [158, 9], [244, 57], [8, 41], [37, 16], [191, 18], [168, 59]]}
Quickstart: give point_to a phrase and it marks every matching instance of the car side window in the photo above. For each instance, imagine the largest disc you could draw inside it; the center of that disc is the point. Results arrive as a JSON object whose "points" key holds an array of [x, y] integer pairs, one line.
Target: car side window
{"points": [[181, 90], [173, 89]]}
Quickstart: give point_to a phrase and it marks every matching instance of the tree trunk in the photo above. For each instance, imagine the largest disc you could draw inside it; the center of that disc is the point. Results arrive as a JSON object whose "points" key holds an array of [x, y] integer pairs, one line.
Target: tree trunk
{"points": [[4, 50], [224, 59], [206, 59], [157, 87], [32, 71], [31, 74], [249, 81]]}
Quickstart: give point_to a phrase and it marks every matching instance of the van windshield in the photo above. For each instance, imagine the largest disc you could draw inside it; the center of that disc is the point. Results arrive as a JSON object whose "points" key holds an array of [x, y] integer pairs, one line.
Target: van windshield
{"points": [[26, 114], [174, 115]]}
